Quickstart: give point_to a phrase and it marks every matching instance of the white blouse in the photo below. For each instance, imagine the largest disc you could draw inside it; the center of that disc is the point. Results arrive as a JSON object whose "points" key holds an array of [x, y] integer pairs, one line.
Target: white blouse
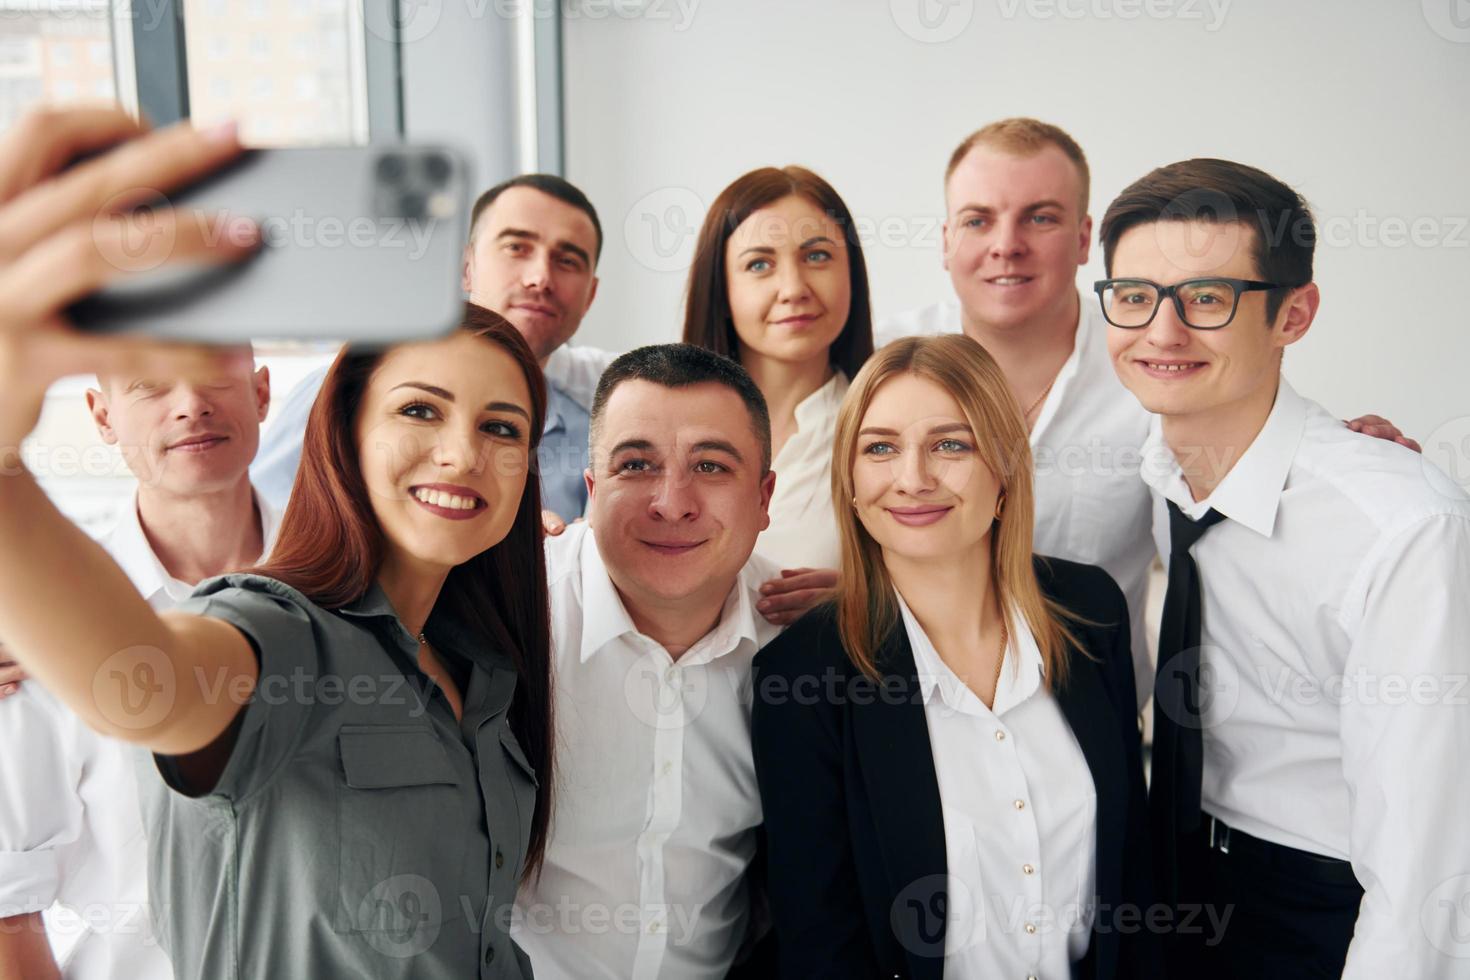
{"points": [[803, 531], [1020, 816]]}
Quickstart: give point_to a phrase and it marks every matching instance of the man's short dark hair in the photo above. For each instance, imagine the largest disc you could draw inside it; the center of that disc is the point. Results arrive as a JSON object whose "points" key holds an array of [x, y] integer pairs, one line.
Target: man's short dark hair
{"points": [[559, 188], [679, 366], [1223, 192]]}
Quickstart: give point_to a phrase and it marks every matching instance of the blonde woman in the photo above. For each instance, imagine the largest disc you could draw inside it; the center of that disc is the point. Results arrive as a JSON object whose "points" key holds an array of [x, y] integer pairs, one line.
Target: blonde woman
{"points": [[948, 753]]}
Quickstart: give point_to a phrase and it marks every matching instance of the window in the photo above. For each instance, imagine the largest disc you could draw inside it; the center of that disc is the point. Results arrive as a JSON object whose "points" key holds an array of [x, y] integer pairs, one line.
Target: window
{"points": [[260, 82], [54, 51]]}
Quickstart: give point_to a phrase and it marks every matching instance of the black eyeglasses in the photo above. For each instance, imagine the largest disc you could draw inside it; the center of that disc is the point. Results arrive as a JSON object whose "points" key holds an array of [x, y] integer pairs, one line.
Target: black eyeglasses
{"points": [[1202, 304]]}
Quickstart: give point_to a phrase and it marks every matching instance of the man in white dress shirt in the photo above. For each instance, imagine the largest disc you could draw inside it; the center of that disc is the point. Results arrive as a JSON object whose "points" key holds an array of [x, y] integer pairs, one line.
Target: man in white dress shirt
{"points": [[654, 628], [72, 845], [1016, 230], [1317, 744]]}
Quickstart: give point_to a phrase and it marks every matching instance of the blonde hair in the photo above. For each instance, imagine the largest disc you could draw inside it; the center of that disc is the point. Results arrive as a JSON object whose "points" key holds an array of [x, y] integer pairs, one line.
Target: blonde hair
{"points": [[866, 607], [1024, 137]]}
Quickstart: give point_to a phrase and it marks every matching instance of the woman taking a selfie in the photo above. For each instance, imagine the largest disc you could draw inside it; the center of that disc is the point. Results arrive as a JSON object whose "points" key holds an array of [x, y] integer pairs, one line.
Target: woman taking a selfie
{"points": [[352, 744], [779, 284], [948, 754]]}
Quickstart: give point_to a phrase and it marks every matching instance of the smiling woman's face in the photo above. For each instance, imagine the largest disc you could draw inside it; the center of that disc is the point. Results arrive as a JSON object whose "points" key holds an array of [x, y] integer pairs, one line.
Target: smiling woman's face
{"points": [[920, 487], [789, 283], [443, 440]]}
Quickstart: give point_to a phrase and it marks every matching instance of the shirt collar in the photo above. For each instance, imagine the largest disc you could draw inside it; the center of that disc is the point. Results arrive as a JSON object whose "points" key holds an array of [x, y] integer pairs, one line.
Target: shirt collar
{"points": [[448, 635], [821, 405], [605, 618], [1020, 677], [555, 420], [129, 547], [1251, 492]]}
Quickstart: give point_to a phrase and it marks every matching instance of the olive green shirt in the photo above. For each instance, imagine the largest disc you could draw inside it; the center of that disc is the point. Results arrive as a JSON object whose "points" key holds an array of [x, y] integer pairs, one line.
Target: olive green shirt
{"points": [[358, 829]]}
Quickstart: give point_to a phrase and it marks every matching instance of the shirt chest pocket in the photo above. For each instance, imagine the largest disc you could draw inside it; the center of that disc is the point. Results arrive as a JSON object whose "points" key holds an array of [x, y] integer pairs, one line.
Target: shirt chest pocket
{"points": [[403, 831]]}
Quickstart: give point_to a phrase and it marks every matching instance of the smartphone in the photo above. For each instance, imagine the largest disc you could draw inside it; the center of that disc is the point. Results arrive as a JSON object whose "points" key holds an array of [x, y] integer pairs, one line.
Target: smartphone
{"points": [[360, 244]]}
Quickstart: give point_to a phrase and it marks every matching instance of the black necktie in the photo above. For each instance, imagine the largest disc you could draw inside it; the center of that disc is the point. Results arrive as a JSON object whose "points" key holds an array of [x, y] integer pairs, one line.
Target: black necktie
{"points": [[1178, 753]]}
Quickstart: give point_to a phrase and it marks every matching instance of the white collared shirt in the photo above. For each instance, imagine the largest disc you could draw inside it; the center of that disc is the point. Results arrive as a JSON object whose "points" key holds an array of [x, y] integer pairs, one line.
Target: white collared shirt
{"points": [[1090, 506], [1335, 646], [656, 805], [72, 842], [1020, 815], [803, 530]]}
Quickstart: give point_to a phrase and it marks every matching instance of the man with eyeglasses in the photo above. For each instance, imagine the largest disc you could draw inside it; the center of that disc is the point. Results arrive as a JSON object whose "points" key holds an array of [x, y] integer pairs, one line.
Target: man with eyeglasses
{"points": [[1016, 230], [1309, 719]]}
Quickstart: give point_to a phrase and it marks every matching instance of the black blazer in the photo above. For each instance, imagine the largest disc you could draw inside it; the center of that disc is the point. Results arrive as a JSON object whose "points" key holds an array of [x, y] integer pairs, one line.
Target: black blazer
{"points": [[855, 833]]}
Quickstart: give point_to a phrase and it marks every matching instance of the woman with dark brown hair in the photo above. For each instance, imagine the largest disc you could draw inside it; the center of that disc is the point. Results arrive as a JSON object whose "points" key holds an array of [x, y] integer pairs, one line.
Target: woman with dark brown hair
{"points": [[351, 745], [779, 284]]}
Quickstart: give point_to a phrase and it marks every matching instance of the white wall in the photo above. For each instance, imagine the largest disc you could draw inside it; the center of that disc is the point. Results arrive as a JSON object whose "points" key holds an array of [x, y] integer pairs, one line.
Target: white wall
{"points": [[1360, 105]]}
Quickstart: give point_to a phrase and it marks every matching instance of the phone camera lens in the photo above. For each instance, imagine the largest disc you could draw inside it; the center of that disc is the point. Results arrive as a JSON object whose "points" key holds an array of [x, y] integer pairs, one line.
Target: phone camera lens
{"points": [[391, 168], [436, 166], [412, 205]]}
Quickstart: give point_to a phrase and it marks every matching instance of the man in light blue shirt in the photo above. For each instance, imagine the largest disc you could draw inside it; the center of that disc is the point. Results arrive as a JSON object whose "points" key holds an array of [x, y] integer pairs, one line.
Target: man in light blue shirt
{"points": [[532, 258]]}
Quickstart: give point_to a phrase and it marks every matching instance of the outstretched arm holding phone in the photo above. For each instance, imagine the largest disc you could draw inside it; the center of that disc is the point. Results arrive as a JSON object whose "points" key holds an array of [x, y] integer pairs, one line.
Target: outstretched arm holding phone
{"points": [[72, 618]]}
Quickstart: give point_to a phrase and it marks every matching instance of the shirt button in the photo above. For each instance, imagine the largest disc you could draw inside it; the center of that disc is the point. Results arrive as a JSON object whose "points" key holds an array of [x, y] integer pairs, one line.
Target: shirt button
{"points": [[500, 858], [489, 954], [1030, 929], [1019, 804], [1027, 869], [1000, 736]]}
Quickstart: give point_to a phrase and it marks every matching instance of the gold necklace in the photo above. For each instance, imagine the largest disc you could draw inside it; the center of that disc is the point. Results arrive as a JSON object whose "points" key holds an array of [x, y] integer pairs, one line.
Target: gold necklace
{"points": [[1025, 417]]}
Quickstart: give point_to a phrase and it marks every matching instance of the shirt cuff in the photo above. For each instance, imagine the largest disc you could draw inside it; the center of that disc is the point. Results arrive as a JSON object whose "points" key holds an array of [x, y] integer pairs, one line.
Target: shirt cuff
{"points": [[29, 881]]}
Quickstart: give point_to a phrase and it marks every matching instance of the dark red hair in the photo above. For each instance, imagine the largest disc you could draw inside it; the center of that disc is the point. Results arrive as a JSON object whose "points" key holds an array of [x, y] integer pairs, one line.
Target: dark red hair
{"points": [[330, 547]]}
